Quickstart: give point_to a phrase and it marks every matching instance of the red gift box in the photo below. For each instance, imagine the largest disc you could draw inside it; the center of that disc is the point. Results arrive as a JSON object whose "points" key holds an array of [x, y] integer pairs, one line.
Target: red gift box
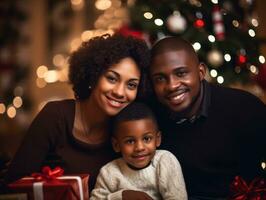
{"points": [[59, 188]]}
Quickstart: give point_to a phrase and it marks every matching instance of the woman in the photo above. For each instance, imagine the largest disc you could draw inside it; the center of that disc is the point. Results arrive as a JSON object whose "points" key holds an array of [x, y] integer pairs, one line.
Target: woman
{"points": [[105, 73]]}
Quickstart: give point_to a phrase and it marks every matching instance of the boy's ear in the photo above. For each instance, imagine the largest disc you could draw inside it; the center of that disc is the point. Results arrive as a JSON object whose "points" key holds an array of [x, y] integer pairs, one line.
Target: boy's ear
{"points": [[158, 138], [115, 145]]}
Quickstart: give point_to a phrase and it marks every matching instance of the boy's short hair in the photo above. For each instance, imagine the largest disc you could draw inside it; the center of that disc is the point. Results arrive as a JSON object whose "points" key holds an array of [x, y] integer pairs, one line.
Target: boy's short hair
{"points": [[134, 111]]}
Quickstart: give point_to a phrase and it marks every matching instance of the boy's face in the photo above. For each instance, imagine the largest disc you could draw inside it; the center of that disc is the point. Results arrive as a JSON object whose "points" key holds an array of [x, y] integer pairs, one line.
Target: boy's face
{"points": [[176, 78], [137, 141]]}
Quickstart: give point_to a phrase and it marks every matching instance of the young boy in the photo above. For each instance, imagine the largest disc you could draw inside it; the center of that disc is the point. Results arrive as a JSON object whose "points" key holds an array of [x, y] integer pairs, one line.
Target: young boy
{"points": [[142, 167]]}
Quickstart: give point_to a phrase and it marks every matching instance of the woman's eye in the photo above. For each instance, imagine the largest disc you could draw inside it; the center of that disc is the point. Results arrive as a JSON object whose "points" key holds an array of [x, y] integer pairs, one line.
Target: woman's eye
{"points": [[132, 86], [111, 79]]}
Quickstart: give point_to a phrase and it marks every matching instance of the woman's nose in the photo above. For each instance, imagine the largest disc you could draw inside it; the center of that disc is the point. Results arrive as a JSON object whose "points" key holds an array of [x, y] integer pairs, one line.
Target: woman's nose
{"points": [[119, 90]]}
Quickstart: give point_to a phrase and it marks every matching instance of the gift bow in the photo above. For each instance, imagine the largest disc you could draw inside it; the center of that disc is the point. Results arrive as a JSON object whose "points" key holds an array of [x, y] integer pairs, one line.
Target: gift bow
{"points": [[256, 190], [48, 173]]}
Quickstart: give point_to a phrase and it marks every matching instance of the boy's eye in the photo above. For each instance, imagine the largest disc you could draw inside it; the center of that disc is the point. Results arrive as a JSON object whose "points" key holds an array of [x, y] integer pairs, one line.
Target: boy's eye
{"points": [[129, 141], [147, 138]]}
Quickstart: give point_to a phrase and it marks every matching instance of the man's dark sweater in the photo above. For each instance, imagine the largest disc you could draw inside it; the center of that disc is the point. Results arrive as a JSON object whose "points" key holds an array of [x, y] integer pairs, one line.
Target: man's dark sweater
{"points": [[227, 138]]}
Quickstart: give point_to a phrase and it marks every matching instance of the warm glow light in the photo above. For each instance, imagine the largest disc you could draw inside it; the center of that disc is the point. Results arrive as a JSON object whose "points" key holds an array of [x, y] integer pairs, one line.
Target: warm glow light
{"points": [[213, 73], [220, 79], [253, 69], [158, 22], [215, 1], [227, 57], [11, 112], [263, 165], [17, 102], [41, 70], [103, 4], [255, 22], [40, 82], [148, 15], [251, 32], [196, 46], [262, 59], [58, 60], [86, 35], [235, 23], [77, 4], [2, 108], [51, 76], [211, 38], [75, 44]]}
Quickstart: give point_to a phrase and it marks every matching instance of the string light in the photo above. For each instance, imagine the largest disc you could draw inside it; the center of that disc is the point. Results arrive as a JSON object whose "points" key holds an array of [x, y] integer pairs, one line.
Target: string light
{"points": [[251, 32], [11, 112], [235, 23], [261, 59], [2, 108], [253, 69], [103, 4], [196, 46], [41, 70], [220, 79], [215, 1], [17, 102], [213, 73], [148, 15], [227, 57], [211, 38], [158, 22]]}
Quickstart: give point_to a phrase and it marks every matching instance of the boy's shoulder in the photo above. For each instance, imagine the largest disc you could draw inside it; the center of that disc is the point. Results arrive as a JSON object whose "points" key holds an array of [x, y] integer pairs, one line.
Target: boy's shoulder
{"points": [[163, 156]]}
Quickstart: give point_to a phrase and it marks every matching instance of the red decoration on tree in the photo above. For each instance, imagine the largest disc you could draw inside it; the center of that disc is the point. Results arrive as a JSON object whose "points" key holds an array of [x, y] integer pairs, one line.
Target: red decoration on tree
{"points": [[242, 59], [218, 24], [125, 30], [199, 23], [240, 190]]}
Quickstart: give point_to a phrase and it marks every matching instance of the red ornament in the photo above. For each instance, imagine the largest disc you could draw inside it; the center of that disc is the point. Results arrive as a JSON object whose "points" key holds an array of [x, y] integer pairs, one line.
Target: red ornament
{"points": [[242, 59], [125, 30], [218, 24], [199, 23]]}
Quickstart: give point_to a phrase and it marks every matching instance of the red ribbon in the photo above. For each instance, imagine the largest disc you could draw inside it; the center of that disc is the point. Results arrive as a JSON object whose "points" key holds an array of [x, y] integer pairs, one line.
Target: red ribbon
{"points": [[48, 173], [256, 190]]}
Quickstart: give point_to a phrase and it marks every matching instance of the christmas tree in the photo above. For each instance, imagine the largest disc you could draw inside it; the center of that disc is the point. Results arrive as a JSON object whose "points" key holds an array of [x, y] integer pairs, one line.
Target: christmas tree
{"points": [[223, 34]]}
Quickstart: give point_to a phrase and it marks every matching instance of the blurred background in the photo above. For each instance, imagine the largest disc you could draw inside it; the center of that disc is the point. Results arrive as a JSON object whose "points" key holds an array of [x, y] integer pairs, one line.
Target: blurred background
{"points": [[37, 36]]}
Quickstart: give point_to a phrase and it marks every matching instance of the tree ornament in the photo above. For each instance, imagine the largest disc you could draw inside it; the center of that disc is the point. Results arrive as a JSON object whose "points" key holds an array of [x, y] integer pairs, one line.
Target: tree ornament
{"points": [[176, 23], [215, 58], [199, 23], [218, 24]]}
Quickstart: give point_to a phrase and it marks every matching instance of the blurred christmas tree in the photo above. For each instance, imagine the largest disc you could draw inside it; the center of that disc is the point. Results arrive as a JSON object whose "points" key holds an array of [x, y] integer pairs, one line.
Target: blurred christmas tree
{"points": [[14, 64], [223, 33]]}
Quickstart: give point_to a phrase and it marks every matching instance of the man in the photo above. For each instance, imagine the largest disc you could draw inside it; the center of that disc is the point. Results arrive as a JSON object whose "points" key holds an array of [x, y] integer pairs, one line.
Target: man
{"points": [[216, 133]]}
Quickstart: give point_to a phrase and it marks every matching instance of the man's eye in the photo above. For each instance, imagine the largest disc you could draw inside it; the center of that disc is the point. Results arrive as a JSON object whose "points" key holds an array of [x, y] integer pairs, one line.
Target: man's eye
{"points": [[132, 86], [159, 79], [181, 73]]}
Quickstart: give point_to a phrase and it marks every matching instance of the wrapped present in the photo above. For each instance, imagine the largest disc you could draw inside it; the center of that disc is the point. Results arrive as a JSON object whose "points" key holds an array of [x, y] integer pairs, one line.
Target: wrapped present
{"points": [[240, 190], [50, 184]]}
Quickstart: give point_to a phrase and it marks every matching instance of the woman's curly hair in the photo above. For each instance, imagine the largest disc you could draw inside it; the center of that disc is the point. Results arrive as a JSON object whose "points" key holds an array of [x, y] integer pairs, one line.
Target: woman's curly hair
{"points": [[95, 56]]}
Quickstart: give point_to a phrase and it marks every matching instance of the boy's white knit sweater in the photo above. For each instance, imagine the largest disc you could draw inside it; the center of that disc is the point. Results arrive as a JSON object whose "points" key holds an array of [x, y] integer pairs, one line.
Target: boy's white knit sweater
{"points": [[162, 179]]}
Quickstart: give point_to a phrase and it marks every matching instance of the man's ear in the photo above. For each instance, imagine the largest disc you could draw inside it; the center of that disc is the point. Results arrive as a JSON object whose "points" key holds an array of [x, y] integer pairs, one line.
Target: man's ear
{"points": [[115, 144], [202, 70], [158, 138]]}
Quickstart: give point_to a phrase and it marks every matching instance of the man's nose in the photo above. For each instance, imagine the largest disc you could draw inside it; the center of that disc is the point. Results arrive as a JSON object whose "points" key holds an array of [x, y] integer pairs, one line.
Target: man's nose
{"points": [[173, 83]]}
